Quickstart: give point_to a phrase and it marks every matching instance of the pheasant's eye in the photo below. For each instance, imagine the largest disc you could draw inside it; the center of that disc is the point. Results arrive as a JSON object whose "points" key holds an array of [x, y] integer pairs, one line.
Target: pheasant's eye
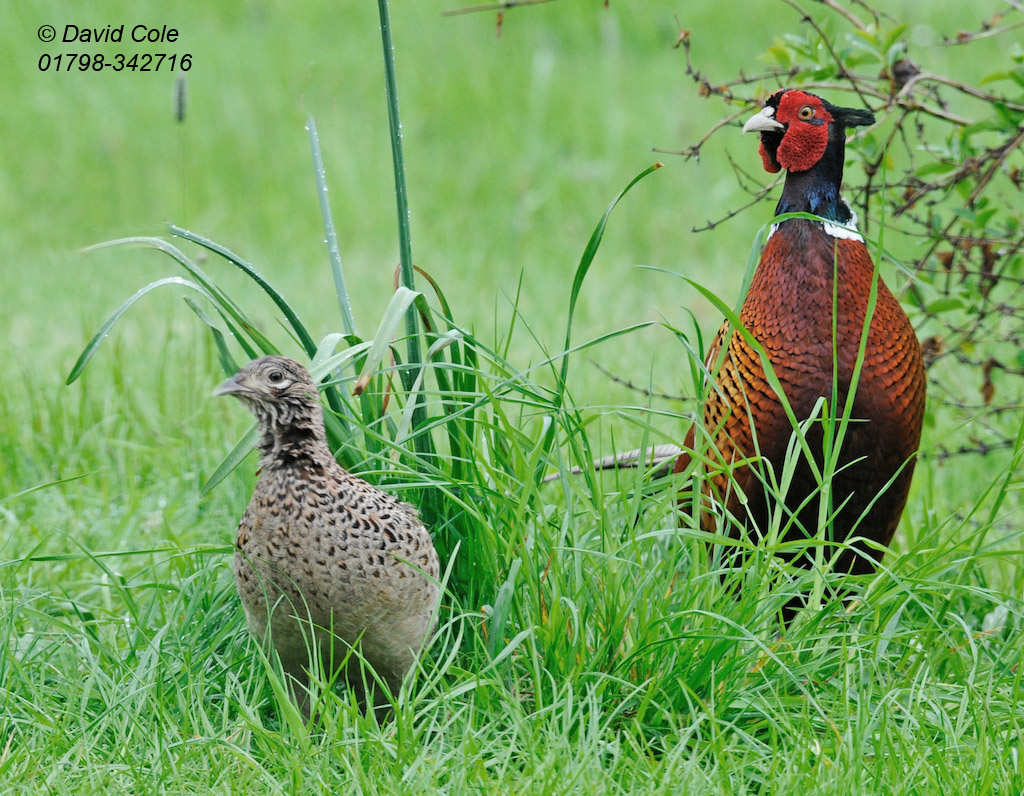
{"points": [[275, 377], [806, 113]]}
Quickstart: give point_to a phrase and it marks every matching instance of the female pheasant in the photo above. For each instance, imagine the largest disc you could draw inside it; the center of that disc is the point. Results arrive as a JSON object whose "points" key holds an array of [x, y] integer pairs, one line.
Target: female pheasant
{"points": [[323, 560], [808, 270]]}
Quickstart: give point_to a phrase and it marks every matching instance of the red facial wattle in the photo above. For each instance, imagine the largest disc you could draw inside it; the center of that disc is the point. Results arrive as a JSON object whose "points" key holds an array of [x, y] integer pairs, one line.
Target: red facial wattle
{"points": [[805, 139], [768, 160]]}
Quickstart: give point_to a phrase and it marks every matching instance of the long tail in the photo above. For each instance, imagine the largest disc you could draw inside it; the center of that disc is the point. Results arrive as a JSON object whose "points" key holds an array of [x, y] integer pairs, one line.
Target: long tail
{"points": [[661, 456]]}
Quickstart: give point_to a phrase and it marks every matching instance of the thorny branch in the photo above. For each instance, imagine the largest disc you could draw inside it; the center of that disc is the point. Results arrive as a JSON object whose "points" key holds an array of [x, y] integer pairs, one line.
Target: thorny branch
{"points": [[968, 279], [988, 28], [956, 190], [636, 387]]}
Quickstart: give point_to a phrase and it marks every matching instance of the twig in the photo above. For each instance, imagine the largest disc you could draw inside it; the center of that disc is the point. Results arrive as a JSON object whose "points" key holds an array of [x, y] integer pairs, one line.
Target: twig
{"points": [[635, 387], [503, 6], [848, 14], [733, 213], [745, 179], [986, 30], [694, 151], [707, 89], [985, 333], [876, 165], [875, 14], [660, 456], [995, 156], [828, 44], [956, 84]]}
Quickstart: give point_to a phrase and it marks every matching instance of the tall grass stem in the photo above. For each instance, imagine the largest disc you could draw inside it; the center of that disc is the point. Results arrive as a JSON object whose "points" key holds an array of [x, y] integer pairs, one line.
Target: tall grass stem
{"points": [[413, 358], [330, 236]]}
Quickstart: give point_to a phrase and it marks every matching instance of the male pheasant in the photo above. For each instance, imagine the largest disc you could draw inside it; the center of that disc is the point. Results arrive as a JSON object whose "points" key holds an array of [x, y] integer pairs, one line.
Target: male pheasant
{"points": [[324, 560], [808, 269]]}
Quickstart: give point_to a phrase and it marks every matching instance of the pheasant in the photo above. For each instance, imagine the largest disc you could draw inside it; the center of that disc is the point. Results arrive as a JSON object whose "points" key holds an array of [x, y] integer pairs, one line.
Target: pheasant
{"points": [[808, 269], [323, 560]]}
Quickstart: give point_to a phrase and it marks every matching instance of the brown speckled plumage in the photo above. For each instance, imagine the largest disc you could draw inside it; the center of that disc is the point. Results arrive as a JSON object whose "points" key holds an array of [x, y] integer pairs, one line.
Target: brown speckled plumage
{"points": [[320, 548]]}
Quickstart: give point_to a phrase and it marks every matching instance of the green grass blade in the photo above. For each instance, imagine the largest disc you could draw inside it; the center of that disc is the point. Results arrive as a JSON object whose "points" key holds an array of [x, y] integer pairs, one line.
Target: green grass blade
{"points": [[344, 304], [300, 330], [242, 448], [413, 354], [503, 602], [301, 333], [396, 309], [585, 262], [766, 364], [37, 487], [105, 328], [442, 342], [326, 361], [227, 362], [441, 299], [216, 295]]}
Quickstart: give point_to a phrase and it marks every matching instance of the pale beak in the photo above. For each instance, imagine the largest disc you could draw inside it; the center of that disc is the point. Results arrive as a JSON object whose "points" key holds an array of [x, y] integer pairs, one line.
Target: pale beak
{"points": [[231, 387], [763, 121]]}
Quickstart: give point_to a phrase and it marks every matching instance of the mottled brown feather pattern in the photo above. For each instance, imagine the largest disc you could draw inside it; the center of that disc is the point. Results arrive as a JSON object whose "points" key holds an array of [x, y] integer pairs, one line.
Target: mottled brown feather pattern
{"points": [[320, 548]]}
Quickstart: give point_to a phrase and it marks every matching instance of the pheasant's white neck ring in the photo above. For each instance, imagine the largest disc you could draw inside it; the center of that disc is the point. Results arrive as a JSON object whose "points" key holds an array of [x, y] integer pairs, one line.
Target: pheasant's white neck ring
{"points": [[847, 231]]}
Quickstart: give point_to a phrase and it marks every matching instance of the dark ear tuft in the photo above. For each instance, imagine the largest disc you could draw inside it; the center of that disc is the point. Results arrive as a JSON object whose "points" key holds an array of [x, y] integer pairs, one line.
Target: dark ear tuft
{"points": [[855, 117]]}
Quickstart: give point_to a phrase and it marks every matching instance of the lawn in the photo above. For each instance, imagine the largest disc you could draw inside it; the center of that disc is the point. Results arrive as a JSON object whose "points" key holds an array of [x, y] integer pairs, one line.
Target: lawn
{"points": [[585, 644]]}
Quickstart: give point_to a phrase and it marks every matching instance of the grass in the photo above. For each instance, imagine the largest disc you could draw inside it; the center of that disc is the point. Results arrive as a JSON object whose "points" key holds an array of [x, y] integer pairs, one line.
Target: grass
{"points": [[587, 644]]}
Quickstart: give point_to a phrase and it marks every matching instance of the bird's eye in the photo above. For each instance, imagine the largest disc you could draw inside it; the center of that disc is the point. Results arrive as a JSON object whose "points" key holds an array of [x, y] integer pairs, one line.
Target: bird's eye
{"points": [[275, 377], [806, 112]]}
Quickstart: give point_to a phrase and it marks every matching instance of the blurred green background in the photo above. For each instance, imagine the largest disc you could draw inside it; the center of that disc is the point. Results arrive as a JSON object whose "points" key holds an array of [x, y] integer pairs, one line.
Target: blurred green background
{"points": [[515, 145], [123, 654]]}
